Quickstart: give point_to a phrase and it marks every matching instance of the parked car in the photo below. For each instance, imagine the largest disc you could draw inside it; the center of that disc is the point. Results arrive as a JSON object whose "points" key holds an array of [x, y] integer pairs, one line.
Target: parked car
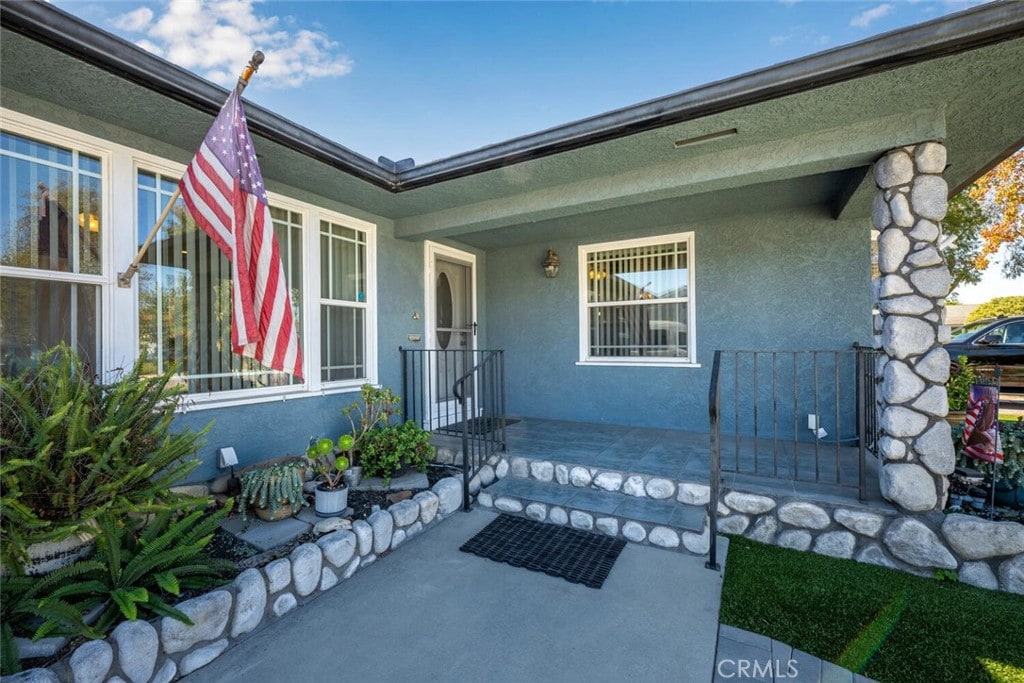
{"points": [[987, 343]]}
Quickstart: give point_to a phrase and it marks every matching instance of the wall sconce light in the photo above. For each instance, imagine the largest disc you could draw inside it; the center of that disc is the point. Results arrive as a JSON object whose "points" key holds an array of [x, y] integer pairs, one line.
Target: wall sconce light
{"points": [[551, 264]]}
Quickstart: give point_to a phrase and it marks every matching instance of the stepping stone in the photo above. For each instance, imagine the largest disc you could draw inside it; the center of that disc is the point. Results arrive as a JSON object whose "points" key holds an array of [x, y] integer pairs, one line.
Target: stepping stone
{"points": [[266, 535], [409, 480]]}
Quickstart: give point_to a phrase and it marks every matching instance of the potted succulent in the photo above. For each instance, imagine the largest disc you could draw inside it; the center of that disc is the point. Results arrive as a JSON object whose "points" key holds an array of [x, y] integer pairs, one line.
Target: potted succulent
{"points": [[331, 493], [274, 491]]}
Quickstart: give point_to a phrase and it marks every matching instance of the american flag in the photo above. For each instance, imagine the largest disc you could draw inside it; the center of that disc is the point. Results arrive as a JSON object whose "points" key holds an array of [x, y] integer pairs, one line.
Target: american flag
{"points": [[981, 427], [223, 190]]}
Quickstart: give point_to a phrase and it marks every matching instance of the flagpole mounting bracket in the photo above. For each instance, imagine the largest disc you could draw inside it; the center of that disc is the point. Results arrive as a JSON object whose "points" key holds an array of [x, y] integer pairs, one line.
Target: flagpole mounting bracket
{"points": [[124, 280]]}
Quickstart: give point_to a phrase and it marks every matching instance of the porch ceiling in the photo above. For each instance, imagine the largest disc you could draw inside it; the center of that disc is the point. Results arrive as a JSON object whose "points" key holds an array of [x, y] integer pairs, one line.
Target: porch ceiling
{"points": [[806, 145]]}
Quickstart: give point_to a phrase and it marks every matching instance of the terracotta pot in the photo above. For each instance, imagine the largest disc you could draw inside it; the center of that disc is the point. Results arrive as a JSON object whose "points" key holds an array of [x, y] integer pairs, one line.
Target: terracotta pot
{"points": [[283, 511], [956, 417]]}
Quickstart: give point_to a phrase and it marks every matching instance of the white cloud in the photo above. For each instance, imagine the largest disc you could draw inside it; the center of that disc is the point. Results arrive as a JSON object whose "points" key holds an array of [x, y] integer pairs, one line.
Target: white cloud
{"points": [[863, 19], [216, 38], [800, 35]]}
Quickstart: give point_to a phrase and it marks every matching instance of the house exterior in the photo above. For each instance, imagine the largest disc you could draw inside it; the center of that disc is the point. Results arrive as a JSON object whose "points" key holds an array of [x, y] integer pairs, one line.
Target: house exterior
{"points": [[736, 215]]}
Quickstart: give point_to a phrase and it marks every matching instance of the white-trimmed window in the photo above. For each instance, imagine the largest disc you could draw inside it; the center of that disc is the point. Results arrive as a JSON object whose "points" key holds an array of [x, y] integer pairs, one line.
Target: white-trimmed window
{"points": [[345, 301], [185, 294], [636, 301], [51, 249]]}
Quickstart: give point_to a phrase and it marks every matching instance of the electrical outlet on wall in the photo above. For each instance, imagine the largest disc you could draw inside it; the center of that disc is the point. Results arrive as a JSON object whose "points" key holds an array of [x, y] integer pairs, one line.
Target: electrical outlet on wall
{"points": [[812, 422]]}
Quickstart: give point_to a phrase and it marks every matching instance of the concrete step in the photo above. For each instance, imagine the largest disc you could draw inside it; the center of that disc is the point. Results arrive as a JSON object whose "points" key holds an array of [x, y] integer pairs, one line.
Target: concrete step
{"points": [[666, 524]]}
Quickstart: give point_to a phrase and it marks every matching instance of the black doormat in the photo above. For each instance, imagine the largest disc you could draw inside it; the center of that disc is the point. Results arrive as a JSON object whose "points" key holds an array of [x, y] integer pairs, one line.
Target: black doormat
{"points": [[571, 554], [478, 426]]}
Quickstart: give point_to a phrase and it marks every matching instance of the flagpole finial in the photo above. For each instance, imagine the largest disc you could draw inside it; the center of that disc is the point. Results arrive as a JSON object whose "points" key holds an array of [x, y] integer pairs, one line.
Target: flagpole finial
{"points": [[252, 67]]}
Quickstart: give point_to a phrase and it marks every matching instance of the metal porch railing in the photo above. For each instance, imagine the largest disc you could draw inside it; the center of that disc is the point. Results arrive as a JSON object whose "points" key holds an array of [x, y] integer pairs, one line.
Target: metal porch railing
{"points": [[799, 416], [459, 393]]}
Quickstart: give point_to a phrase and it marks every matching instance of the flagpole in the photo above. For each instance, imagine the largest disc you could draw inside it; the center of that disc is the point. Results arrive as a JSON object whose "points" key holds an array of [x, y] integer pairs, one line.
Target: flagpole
{"points": [[124, 279]]}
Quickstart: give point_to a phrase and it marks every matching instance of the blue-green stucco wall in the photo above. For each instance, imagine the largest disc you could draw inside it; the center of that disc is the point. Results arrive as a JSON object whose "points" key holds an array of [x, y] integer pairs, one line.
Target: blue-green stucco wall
{"points": [[794, 279]]}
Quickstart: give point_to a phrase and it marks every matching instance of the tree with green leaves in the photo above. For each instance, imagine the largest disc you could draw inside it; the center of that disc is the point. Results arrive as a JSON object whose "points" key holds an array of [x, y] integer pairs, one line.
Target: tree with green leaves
{"points": [[1002, 305], [964, 221]]}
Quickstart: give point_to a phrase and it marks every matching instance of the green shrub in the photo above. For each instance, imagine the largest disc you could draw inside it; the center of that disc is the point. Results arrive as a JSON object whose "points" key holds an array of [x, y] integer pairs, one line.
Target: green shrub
{"points": [[386, 450], [1001, 305], [958, 389], [1011, 470], [75, 448]]}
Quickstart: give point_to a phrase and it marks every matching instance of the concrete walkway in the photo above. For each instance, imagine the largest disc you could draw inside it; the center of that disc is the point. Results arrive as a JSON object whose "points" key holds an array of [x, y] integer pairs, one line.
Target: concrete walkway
{"points": [[428, 612], [754, 658]]}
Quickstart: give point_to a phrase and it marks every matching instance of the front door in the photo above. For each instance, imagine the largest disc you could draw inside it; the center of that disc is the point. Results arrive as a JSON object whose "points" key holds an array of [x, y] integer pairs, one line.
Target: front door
{"points": [[450, 327]]}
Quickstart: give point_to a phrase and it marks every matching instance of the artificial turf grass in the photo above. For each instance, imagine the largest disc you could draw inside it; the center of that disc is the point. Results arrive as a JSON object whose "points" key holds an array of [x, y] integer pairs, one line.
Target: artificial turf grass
{"points": [[926, 630]]}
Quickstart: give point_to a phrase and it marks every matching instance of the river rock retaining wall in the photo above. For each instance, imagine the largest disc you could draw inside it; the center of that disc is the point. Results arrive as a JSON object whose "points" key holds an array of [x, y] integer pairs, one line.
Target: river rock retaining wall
{"points": [[164, 649], [984, 553]]}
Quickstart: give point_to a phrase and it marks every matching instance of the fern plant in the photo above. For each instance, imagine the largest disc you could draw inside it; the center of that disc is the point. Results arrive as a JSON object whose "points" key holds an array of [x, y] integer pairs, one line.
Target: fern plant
{"points": [[132, 574], [75, 447], [273, 487]]}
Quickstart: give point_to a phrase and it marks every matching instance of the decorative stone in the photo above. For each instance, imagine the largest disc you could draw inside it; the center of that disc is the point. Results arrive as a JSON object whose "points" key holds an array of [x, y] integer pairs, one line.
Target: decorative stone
{"points": [[609, 481], [916, 544], [351, 569], [908, 485], [474, 485], [562, 474], [201, 657], [906, 305], [903, 422], [368, 560], [933, 402], [39, 675], [405, 512], [364, 537], [167, 672], [893, 285], [722, 510], [873, 554], [542, 470], [935, 447], [485, 499], [328, 579], [487, 475], [733, 524], [1011, 575], [880, 215], [749, 503], [836, 544], [428, 503], [634, 531], [414, 529], [384, 525], [520, 468], [694, 494], [307, 561], [934, 367], [900, 210], [250, 602], [579, 476], [925, 231], [796, 539], [198, 490], [338, 548], [805, 515], [930, 157], [660, 489], [764, 530], [893, 247], [581, 520], [326, 526], [864, 523], [209, 614], [506, 504], [978, 574], [398, 538], [663, 537], [974, 538], [501, 469], [449, 490], [557, 515], [284, 604], [279, 574], [91, 662], [220, 484], [607, 525], [698, 544], [933, 282], [138, 646], [892, 449], [634, 486], [44, 647], [903, 337], [929, 256], [894, 168], [537, 511], [928, 195], [945, 334]]}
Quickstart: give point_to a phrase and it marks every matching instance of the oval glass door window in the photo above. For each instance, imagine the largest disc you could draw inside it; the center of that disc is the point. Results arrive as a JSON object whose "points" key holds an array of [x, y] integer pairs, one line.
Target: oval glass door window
{"points": [[443, 296]]}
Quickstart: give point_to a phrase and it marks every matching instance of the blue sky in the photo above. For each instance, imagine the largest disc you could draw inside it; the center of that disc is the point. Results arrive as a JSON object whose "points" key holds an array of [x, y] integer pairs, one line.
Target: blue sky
{"points": [[431, 79]]}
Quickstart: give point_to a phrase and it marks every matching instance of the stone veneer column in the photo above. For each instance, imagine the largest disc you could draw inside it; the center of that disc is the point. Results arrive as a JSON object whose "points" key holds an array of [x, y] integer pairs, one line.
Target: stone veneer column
{"points": [[915, 444]]}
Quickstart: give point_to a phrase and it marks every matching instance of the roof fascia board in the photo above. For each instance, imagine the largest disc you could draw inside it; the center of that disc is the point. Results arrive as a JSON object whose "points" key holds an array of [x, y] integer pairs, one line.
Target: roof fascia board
{"points": [[51, 26]]}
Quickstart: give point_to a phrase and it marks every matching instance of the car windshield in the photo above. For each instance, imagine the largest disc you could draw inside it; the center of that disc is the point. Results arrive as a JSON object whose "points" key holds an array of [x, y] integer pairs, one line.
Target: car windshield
{"points": [[961, 334]]}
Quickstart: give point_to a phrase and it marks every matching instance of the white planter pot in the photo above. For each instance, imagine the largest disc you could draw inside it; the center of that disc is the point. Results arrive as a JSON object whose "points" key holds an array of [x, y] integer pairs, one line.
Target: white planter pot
{"points": [[330, 502], [48, 556]]}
